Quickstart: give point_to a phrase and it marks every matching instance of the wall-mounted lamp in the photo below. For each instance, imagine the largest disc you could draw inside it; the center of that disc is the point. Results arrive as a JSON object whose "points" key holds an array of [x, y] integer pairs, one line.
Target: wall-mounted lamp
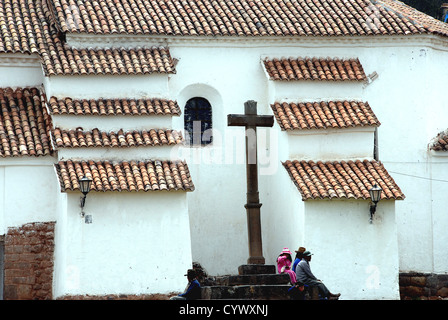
{"points": [[84, 186], [375, 196]]}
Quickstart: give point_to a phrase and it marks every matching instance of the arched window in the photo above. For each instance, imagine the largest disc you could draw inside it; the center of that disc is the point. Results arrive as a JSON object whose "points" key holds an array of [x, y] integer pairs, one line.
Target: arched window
{"points": [[198, 121]]}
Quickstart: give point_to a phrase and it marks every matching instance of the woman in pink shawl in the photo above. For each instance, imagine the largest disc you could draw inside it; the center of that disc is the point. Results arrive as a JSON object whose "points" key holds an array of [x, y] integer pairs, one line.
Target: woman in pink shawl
{"points": [[284, 262]]}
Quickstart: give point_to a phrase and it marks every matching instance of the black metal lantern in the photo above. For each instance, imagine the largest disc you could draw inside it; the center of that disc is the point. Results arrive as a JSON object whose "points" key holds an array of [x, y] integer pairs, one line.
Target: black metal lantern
{"points": [[84, 185], [375, 196]]}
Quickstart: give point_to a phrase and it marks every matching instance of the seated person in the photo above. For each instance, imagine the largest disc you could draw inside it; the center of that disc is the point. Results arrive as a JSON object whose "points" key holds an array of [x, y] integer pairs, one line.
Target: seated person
{"points": [[304, 275], [193, 290], [284, 262]]}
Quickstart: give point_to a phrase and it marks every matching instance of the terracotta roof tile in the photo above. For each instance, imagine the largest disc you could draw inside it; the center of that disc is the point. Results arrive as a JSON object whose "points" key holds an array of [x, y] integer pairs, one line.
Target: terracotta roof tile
{"points": [[440, 142], [325, 69], [323, 115], [24, 123], [341, 179], [240, 17], [113, 106], [151, 175], [39, 26], [78, 138], [115, 61]]}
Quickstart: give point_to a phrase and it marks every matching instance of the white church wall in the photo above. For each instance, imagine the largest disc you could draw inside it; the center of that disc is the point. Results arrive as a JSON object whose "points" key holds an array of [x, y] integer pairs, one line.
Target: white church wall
{"points": [[229, 83], [29, 191], [117, 154], [137, 243], [112, 123], [217, 205], [408, 80], [408, 98], [331, 144], [107, 86], [20, 70], [361, 266], [439, 210], [313, 91]]}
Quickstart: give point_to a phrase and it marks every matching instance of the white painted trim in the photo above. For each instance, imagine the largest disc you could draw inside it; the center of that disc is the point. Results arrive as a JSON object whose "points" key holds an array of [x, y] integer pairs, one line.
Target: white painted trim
{"points": [[83, 40]]}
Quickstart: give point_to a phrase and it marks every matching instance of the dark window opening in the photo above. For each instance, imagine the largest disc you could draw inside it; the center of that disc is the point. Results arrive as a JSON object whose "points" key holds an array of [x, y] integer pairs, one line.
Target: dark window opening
{"points": [[198, 122]]}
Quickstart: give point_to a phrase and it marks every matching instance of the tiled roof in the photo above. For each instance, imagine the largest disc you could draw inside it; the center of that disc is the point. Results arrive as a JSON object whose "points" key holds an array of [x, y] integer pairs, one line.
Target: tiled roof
{"points": [[39, 26], [341, 179], [24, 123], [78, 138], [27, 26], [440, 142], [325, 69], [323, 115], [151, 175], [113, 106], [242, 17], [71, 61]]}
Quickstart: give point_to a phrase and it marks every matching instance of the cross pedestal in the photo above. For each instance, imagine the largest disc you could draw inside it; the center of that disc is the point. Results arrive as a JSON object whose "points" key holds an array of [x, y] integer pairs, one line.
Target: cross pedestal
{"points": [[251, 121]]}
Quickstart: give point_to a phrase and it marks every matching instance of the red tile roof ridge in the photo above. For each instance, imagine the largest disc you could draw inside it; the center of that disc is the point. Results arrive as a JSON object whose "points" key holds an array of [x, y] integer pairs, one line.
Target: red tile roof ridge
{"points": [[77, 138], [440, 142], [132, 175], [113, 106], [332, 114], [237, 17], [25, 124], [347, 179], [416, 17], [314, 68]]}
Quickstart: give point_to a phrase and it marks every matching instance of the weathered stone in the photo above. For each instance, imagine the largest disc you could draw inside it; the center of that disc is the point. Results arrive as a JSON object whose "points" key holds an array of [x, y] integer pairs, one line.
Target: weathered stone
{"points": [[413, 291], [442, 292], [256, 269], [418, 281]]}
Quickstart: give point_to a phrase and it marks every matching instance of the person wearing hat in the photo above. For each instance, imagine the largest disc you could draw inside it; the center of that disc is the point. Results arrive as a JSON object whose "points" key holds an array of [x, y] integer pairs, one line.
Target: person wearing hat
{"points": [[193, 290], [299, 254], [304, 275], [284, 262]]}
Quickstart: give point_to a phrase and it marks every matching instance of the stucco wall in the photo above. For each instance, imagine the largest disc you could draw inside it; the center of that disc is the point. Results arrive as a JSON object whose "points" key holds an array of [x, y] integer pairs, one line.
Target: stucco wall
{"points": [[352, 256], [137, 243], [29, 191]]}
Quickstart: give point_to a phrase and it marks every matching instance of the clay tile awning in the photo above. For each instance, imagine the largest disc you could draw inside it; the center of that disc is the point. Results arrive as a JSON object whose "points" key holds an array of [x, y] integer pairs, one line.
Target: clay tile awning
{"points": [[341, 179], [108, 61], [324, 115], [79, 138], [440, 142], [24, 123], [323, 69], [111, 107], [151, 175]]}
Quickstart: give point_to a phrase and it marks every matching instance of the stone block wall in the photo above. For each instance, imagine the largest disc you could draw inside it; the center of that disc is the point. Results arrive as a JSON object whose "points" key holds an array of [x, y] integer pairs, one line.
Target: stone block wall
{"points": [[28, 262], [423, 286]]}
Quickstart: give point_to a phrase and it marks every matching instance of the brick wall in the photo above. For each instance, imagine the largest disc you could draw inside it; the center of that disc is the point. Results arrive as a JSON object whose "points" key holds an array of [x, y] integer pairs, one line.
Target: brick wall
{"points": [[423, 286], [28, 262]]}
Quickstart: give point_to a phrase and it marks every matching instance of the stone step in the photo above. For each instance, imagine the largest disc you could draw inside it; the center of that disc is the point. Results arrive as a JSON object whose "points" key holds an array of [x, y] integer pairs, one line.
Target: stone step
{"points": [[256, 269], [246, 292], [252, 279]]}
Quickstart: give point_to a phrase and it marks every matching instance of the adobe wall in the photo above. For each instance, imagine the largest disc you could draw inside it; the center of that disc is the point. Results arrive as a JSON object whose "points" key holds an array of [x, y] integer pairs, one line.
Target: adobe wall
{"points": [[28, 262]]}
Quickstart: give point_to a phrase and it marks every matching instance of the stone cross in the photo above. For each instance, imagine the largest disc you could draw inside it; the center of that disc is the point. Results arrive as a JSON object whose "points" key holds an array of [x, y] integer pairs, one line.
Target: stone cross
{"points": [[251, 121]]}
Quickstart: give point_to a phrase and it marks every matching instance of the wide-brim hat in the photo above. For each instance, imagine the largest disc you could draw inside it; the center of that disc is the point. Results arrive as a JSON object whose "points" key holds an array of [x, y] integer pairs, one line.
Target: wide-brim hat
{"points": [[301, 250], [191, 273]]}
